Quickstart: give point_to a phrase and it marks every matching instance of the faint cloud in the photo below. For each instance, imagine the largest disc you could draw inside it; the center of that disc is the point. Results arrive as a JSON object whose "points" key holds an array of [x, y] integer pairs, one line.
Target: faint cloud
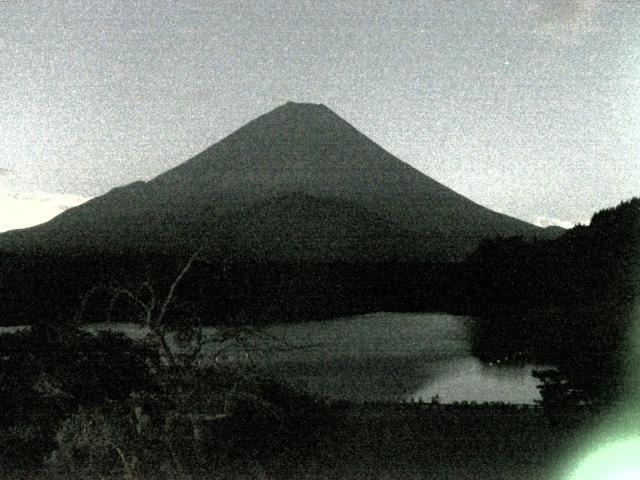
{"points": [[4, 172], [26, 209], [544, 222], [566, 21]]}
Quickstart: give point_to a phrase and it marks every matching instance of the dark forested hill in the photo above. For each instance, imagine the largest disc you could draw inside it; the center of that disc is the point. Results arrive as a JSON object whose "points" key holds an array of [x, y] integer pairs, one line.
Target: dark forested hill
{"points": [[567, 301]]}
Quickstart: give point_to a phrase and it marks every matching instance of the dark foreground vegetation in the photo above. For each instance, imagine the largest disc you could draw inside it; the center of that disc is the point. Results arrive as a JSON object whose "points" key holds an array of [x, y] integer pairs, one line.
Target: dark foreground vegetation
{"points": [[103, 405], [81, 405]]}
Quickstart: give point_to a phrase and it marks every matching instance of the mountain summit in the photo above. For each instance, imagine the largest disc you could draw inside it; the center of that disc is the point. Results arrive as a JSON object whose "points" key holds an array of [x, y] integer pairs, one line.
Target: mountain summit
{"points": [[299, 179]]}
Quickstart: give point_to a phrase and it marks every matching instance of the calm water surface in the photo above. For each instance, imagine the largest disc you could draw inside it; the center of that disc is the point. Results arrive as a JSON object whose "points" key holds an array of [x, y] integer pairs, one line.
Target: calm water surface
{"points": [[381, 356], [396, 356]]}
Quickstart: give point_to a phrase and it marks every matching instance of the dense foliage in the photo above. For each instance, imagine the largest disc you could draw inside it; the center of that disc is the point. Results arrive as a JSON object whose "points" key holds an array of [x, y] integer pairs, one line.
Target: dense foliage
{"points": [[46, 374], [566, 301], [102, 404]]}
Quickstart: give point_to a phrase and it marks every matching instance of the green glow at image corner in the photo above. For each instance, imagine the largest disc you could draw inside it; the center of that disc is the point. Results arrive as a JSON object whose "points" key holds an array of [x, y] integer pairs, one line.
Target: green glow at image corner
{"points": [[616, 461], [619, 459]]}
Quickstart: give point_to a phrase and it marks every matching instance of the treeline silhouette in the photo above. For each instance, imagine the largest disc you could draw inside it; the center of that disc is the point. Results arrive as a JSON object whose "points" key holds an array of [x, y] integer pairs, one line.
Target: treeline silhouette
{"points": [[566, 302], [45, 289]]}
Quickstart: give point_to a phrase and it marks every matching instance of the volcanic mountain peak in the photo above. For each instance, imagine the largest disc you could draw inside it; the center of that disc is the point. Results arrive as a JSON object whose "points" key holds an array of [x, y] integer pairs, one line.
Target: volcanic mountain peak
{"points": [[293, 109], [304, 106], [295, 147], [299, 148]]}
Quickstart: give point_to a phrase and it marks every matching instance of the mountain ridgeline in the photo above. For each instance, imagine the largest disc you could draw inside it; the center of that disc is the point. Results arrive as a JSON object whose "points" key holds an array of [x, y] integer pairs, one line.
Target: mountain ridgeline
{"points": [[299, 177]]}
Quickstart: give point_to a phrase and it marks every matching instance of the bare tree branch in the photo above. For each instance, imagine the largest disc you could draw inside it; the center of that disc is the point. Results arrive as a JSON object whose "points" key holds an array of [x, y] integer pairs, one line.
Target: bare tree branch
{"points": [[174, 285]]}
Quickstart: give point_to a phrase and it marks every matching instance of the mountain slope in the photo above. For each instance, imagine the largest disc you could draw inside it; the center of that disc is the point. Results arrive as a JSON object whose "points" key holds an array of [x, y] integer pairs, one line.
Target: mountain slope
{"points": [[323, 231], [296, 148]]}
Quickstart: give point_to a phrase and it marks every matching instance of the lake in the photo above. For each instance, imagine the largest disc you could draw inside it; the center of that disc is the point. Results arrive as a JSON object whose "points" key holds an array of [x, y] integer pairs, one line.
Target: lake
{"points": [[395, 356], [381, 356]]}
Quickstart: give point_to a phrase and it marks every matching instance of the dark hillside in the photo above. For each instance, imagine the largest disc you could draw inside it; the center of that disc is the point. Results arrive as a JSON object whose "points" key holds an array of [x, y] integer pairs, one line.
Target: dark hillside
{"points": [[566, 301]]}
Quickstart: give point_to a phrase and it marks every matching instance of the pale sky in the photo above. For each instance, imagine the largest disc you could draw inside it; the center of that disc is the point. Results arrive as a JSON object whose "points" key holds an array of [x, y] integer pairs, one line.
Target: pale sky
{"points": [[529, 108]]}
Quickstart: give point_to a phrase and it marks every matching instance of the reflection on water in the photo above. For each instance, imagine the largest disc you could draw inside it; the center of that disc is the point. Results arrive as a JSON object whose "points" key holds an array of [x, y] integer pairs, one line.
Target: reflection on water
{"points": [[381, 356], [396, 356], [468, 379], [15, 329]]}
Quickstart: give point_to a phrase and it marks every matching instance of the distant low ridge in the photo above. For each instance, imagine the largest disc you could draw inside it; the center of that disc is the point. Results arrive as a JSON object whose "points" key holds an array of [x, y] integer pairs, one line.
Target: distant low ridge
{"points": [[298, 183]]}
